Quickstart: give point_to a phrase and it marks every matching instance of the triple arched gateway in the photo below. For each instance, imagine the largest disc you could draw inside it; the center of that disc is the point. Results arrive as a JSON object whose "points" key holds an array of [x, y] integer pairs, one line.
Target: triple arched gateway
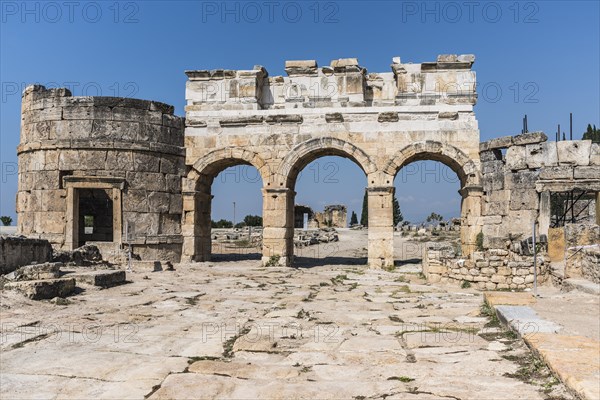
{"points": [[381, 121]]}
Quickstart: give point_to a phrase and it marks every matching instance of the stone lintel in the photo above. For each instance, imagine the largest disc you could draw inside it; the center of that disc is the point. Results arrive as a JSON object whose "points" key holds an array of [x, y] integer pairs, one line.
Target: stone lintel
{"points": [[561, 185], [529, 138], [100, 182]]}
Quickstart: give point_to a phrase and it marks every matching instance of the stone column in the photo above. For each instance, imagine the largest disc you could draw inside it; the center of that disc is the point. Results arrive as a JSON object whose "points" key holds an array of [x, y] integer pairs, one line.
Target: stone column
{"points": [[72, 217], [381, 226], [278, 226], [544, 214], [470, 221], [196, 228]]}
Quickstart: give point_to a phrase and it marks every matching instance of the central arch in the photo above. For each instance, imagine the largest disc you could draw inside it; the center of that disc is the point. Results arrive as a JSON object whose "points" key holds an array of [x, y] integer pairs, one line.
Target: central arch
{"points": [[278, 211], [306, 152]]}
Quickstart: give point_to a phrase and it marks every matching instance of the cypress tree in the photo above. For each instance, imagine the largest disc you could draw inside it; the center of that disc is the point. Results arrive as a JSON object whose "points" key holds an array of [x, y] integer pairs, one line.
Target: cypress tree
{"points": [[364, 216], [353, 219]]}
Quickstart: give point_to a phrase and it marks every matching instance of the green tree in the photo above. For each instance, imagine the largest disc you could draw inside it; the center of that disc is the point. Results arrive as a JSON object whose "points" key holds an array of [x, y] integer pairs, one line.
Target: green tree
{"points": [[592, 134], [434, 217], [6, 221], [253, 220], [398, 217], [353, 219], [222, 223], [364, 215]]}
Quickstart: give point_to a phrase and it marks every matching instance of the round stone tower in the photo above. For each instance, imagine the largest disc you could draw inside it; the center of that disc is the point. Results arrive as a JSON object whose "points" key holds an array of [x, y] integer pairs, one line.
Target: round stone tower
{"points": [[101, 170]]}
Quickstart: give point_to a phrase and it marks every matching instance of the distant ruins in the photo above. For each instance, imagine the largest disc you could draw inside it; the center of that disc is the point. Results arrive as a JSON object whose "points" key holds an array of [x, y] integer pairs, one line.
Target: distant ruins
{"points": [[333, 216], [118, 171]]}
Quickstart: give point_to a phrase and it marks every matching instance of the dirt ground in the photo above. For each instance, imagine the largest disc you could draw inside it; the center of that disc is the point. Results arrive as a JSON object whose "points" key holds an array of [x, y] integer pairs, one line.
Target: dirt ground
{"points": [[235, 329]]}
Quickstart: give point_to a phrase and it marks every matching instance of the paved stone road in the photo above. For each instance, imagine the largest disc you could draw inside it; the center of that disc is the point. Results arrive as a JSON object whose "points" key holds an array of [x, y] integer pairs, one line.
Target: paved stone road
{"points": [[238, 330]]}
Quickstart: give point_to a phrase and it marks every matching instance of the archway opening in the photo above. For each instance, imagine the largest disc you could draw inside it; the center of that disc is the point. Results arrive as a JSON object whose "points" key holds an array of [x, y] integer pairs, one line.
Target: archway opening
{"points": [[330, 190], [236, 214], [223, 212], [427, 190]]}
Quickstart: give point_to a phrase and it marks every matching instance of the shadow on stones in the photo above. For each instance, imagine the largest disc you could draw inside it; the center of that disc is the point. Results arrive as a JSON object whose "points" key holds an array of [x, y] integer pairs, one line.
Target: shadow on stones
{"points": [[236, 257], [310, 262]]}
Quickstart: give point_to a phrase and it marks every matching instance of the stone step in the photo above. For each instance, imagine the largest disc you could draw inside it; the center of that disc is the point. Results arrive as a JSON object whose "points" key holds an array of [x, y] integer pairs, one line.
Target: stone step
{"points": [[102, 278], [35, 272], [43, 289], [524, 320], [583, 285]]}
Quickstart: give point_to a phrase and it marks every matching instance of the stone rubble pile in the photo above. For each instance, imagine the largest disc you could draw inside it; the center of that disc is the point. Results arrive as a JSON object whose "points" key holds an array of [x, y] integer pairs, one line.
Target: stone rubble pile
{"points": [[304, 238], [58, 278]]}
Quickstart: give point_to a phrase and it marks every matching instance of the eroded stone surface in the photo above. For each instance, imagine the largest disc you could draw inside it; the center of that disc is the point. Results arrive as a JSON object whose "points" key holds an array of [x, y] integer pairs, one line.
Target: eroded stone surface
{"points": [[239, 330]]}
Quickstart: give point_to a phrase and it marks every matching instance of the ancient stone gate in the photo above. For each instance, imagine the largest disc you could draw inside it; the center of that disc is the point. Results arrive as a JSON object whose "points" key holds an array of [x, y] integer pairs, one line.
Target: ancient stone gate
{"points": [[381, 121]]}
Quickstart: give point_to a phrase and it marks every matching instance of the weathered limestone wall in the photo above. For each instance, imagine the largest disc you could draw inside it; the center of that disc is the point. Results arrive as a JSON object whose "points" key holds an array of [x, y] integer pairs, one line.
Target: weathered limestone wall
{"points": [[517, 184], [382, 121], [518, 175], [17, 251], [132, 149]]}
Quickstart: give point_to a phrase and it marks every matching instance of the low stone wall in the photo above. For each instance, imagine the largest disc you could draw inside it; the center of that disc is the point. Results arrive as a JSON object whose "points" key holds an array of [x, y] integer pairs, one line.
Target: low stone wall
{"points": [[16, 251], [487, 270]]}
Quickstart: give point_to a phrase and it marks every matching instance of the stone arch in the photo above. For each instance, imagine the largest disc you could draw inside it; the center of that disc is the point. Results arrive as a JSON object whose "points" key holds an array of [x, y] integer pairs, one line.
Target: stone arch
{"points": [[304, 153], [456, 159], [467, 171], [210, 165], [197, 197]]}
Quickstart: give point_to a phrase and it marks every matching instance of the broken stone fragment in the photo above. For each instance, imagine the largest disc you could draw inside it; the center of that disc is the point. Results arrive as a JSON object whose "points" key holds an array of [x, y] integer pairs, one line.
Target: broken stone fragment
{"points": [[43, 289], [301, 67], [344, 62], [469, 58], [444, 58], [575, 152], [529, 138], [48, 270]]}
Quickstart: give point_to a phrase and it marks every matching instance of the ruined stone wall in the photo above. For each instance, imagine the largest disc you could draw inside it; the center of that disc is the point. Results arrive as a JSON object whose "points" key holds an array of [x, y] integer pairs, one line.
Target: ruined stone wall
{"points": [[17, 251], [334, 216], [518, 175], [132, 148]]}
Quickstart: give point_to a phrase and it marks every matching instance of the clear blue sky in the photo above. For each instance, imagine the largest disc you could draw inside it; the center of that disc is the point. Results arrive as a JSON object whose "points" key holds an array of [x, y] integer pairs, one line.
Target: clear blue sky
{"points": [[540, 58]]}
